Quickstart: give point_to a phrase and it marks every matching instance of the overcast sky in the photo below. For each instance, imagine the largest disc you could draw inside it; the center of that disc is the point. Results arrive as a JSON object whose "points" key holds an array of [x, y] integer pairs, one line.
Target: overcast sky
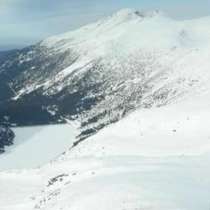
{"points": [[24, 22]]}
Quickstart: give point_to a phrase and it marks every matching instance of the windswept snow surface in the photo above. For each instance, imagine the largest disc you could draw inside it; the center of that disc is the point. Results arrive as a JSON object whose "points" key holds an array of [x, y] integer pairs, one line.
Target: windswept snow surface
{"points": [[178, 129], [37, 145], [153, 159]]}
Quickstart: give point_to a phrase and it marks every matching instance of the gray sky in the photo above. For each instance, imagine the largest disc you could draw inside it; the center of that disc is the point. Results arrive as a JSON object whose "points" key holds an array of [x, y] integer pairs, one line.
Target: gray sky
{"points": [[24, 22]]}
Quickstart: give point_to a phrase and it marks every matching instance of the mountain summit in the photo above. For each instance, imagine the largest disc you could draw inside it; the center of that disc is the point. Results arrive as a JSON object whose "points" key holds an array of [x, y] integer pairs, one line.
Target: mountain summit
{"points": [[132, 13]]}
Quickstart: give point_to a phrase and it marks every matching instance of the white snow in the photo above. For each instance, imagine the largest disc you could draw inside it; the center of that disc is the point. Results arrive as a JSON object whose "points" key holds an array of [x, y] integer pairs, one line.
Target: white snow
{"points": [[37, 145], [154, 159], [128, 33], [178, 129]]}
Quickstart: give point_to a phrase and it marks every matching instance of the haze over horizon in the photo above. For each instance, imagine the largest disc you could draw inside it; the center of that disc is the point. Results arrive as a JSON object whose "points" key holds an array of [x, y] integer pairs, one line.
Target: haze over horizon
{"points": [[24, 22]]}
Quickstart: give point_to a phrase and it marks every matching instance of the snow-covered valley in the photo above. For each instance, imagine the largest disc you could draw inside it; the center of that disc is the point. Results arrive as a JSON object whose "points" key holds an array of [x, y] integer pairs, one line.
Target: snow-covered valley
{"points": [[37, 145], [138, 84]]}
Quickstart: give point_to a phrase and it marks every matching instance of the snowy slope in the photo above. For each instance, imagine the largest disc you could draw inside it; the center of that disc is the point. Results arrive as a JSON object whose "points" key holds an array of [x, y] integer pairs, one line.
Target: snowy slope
{"points": [[113, 183], [174, 130], [126, 34], [128, 165]]}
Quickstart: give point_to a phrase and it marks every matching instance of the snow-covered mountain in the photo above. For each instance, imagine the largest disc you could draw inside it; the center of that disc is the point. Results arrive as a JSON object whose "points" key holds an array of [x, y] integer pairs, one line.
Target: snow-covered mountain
{"points": [[144, 67], [102, 71]]}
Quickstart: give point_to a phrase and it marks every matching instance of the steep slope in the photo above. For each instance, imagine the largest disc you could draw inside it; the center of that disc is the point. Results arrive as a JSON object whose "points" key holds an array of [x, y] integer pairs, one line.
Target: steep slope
{"points": [[178, 129], [103, 71], [140, 162]]}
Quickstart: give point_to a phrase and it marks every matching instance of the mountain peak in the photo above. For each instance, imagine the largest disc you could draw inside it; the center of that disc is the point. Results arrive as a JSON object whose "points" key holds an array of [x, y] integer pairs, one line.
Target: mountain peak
{"points": [[125, 13]]}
